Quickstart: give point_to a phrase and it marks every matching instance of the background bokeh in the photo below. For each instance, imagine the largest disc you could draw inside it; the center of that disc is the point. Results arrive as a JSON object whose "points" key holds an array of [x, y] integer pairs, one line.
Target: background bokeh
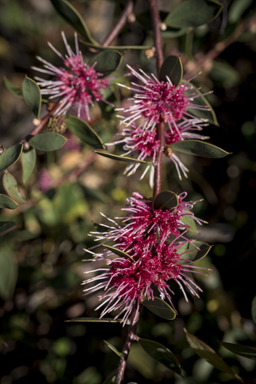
{"points": [[42, 289]]}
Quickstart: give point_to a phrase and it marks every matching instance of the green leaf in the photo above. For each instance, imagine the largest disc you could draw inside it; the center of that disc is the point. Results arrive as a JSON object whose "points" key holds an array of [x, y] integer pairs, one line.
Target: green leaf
{"points": [[85, 133], [47, 141], [254, 309], [13, 88], [161, 354], [224, 74], [194, 251], [111, 378], [107, 62], [174, 32], [119, 354], [7, 226], [165, 200], [240, 350], [73, 17], [193, 13], [160, 308], [118, 252], [28, 161], [199, 148], [8, 274], [93, 320], [6, 202], [207, 353], [187, 220], [32, 95], [236, 9], [171, 67], [121, 158], [10, 156], [205, 114], [11, 187]]}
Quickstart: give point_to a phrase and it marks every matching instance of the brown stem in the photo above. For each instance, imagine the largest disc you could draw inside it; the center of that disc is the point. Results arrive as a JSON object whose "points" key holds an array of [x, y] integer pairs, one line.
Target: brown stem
{"points": [[132, 335], [155, 18], [159, 61], [159, 156], [38, 128], [220, 47], [120, 24]]}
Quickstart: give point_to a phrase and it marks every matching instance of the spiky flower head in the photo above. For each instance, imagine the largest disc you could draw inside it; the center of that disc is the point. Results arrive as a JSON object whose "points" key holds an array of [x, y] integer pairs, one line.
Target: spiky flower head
{"points": [[150, 258], [156, 101], [143, 144], [76, 84]]}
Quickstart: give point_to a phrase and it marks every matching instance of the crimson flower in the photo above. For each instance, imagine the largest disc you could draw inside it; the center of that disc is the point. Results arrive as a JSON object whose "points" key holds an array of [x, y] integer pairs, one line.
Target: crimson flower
{"points": [[155, 100], [143, 144], [152, 259], [76, 84]]}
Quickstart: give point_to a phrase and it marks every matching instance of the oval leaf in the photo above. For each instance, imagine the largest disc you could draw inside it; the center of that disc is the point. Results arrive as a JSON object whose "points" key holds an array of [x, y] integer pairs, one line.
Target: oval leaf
{"points": [[161, 354], [10, 156], [6, 202], [32, 95], [85, 133], [194, 251], [199, 148], [71, 16], [11, 187], [119, 354], [160, 308], [13, 88], [193, 13], [254, 309], [111, 378], [106, 62], [165, 200], [187, 220], [93, 320], [28, 161], [174, 32], [118, 252], [7, 226], [240, 350], [206, 114], [207, 353], [171, 67], [121, 158], [48, 141], [8, 275]]}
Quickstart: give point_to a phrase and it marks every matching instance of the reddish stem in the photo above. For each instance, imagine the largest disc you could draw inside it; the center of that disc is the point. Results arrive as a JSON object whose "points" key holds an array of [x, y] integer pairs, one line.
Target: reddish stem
{"points": [[159, 61], [120, 24], [38, 128], [132, 335]]}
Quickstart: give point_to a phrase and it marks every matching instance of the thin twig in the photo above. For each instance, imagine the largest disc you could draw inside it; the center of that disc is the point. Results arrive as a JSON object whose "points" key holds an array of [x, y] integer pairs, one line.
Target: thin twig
{"points": [[132, 335], [155, 18], [159, 61], [38, 128], [120, 24], [207, 59]]}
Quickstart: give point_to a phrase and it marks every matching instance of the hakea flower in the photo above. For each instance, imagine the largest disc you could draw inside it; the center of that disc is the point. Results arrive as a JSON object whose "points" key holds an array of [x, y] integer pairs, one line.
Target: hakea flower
{"points": [[143, 144], [76, 84], [129, 279], [143, 223], [156, 101], [151, 240]]}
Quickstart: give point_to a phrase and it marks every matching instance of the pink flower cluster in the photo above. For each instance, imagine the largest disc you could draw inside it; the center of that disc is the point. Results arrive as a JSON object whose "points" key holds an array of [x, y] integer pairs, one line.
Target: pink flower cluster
{"points": [[76, 84], [155, 101], [151, 240]]}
